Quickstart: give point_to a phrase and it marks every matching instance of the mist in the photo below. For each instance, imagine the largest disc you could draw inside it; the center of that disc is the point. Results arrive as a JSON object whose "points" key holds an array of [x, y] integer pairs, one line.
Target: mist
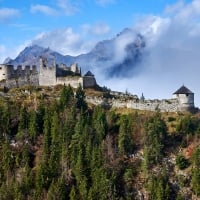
{"points": [[171, 56]]}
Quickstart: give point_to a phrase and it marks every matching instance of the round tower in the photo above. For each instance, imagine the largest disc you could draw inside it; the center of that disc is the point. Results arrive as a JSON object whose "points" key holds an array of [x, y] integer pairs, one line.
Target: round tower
{"points": [[185, 98]]}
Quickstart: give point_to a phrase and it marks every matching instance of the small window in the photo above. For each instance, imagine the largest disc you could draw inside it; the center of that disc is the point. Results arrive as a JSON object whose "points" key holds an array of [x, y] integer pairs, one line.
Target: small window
{"points": [[187, 95], [4, 74], [0, 68]]}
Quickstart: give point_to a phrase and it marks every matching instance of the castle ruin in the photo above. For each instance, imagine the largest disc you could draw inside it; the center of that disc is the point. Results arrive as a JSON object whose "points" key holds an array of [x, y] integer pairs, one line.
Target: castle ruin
{"points": [[182, 100], [51, 75], [48, 75]]}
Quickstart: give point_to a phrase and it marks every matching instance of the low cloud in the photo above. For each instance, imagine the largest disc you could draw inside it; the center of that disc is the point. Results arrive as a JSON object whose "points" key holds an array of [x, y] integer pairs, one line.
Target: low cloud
{"points": [[173, 47], [7, 14], [5, 51], [43, 9], [70, 42]]}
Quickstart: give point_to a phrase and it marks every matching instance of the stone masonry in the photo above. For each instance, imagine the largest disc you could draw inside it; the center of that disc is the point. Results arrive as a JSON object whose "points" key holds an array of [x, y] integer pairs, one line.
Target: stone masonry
{"points": [[46, 76], [182, 100]]}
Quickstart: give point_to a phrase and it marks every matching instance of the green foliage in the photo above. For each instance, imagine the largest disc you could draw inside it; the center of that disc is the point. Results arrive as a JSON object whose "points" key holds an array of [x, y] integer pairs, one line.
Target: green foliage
{"points": [[80, 99], [155, 136], [196, 172], [23, 123], [61, 149], [66, 97], [187, 125], [99, 123], [158, 187], [125, 138], [33, 127], [181, 162]]}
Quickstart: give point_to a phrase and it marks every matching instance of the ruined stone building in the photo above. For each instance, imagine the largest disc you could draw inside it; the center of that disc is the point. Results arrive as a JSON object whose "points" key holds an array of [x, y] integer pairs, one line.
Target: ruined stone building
{"points": [[45, 75], [53, 74], [182, 100]]}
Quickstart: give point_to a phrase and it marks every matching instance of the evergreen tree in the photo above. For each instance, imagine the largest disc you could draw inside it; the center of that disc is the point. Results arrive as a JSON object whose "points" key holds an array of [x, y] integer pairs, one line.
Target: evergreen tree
{"points": [[33, 128], [47, 135], [80, 99], [125, 138], [196, 172], [66, 97], [155, 136], [99, 121]]}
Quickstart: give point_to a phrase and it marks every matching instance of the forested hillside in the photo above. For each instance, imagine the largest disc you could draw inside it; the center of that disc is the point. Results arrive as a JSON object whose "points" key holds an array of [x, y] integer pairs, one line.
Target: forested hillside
{"points": [[55, 146]]}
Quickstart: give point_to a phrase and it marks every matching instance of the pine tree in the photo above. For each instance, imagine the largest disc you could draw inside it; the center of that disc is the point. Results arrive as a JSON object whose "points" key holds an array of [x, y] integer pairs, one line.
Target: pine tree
{"points": [[80, 99], [99, 121], [66, 97], [33, 128], [155, 136], [23, 123], [125, 138], [196, 172]]}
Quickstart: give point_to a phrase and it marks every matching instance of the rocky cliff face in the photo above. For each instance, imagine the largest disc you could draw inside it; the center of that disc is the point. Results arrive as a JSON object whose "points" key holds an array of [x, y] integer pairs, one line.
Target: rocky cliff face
{"points": [[118, 56]]}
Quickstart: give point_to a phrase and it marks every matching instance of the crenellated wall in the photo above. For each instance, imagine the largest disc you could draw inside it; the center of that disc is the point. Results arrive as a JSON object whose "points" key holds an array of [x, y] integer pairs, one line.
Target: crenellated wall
{"points": [[9, 72]]}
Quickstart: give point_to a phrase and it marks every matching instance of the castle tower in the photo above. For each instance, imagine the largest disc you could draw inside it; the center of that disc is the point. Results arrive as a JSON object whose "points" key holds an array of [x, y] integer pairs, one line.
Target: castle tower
{"points": [[185, 98], [89, 80], [47, 75], [6, 71], [74, 68]]}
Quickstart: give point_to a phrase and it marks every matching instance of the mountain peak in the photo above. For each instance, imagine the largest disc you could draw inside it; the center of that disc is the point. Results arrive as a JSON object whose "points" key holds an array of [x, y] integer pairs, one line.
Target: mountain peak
{"points": [[125, 31], [118, 56]]}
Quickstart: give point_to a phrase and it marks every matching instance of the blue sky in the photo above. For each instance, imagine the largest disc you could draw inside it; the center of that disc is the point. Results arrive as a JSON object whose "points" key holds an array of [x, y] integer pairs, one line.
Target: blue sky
{"points": [[171, 29], [22, 21]]}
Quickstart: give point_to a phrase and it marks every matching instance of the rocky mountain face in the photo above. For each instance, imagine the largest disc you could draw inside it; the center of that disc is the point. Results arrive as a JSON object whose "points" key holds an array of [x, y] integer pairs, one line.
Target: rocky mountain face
{"points": [[115, 57]]}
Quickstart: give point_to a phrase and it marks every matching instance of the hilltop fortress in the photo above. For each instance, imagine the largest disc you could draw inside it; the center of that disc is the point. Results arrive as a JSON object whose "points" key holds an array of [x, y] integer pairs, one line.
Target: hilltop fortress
{"points": [[182, 99], [46, 76]]}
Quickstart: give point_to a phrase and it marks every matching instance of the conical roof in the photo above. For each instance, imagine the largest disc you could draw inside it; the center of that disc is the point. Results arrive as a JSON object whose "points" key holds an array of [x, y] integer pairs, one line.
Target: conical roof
{"points": [[89, 73], [183, 90]]}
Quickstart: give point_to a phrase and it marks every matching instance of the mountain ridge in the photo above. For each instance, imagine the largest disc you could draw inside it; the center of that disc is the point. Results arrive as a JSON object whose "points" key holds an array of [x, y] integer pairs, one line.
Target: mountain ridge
{"points": [[116, 57]]}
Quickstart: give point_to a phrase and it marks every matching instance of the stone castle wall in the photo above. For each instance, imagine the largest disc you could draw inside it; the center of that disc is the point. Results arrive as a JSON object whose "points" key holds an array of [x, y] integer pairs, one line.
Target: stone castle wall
{"points": [[73, 81], [89, 81], [9, 72], [47, 76], [21, 81], [171, 105]]}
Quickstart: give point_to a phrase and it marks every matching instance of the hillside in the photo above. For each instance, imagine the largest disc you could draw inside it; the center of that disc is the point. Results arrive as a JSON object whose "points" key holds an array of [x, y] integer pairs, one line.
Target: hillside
{"points": [[56, 146]]}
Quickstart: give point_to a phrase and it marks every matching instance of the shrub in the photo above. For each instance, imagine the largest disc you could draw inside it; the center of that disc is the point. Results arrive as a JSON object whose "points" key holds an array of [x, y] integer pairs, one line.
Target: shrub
{"points": [[181, 162]]}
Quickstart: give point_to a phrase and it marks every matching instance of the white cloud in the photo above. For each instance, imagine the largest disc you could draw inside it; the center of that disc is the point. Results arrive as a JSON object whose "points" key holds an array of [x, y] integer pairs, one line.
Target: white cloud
{"points": [[96, 29], [43, 9], [65, 41], [171, 9], [70, 42], [5, 51], [8, 13], [173, 47], [67, 7], [105, 2], [100, 29], [183, 12]]}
